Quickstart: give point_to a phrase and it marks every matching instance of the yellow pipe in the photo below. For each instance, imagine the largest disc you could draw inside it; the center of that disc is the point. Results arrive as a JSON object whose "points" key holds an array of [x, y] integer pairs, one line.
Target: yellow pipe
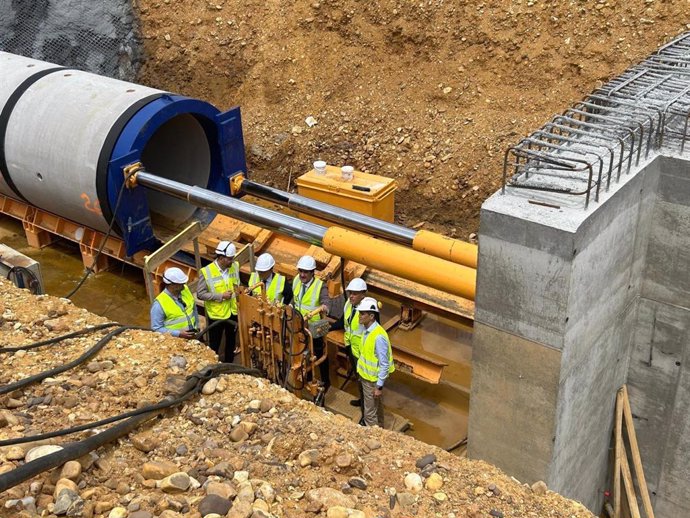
{"points": [[400, 261], [446, 247]]}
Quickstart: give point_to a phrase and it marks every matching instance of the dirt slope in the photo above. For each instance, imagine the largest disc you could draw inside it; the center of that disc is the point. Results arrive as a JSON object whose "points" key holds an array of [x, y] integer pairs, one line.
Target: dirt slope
{"points": [[250, 443], [430, 93]]}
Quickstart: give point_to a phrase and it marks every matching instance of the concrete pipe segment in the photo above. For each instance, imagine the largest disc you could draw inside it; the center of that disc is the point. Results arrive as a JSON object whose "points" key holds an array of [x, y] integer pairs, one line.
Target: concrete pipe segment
{"points": [[65, 136]]}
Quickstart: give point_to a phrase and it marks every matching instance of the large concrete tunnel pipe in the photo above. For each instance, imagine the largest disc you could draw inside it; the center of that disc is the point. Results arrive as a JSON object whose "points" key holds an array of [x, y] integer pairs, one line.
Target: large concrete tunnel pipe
{"points": [[63, 131], [423, 241], [383, 255], [14, 71]]}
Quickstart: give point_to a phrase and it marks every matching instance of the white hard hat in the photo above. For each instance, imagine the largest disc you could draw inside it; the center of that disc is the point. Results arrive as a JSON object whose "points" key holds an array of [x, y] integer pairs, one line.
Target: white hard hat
{"points": [[264, 263], [356, 284], [306, 262], [174, 276], [226, 248], [368, 304]]}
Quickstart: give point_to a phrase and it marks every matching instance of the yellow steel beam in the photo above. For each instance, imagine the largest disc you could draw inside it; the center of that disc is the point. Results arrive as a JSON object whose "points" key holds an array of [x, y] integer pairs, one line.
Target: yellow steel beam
{"points": [[403, 262], [446, 248]]}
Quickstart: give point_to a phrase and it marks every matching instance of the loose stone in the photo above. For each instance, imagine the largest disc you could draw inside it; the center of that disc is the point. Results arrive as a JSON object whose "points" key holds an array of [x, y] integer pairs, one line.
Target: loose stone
{"points": [[425, 461], [175, 483], [214, 504], [434, 482], [413, 482]]}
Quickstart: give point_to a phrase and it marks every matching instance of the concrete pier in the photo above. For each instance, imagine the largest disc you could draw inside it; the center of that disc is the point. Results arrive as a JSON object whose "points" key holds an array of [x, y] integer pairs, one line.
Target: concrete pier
{"points": [[571, 304]]}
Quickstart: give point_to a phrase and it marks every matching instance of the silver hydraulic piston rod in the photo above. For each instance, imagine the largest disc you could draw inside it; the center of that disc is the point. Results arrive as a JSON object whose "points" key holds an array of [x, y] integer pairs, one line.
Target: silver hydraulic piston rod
{"points": [[337, 215], [430, 243], [260, 216], [380, 254]]}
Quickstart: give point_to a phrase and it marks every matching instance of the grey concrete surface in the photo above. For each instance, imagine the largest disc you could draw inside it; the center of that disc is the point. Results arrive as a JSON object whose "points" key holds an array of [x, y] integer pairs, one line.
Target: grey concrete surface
{"points": [[513, 432], [584, 410], [506, 284], [99, 37], [659, 376], [660, 348], [603, 289], [667, 271]]}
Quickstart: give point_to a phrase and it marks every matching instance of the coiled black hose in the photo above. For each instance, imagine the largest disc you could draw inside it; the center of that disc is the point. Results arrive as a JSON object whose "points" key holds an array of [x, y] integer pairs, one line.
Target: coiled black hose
{"points": [[75, 450], [6, 389], [16, 276], [58, 339]]}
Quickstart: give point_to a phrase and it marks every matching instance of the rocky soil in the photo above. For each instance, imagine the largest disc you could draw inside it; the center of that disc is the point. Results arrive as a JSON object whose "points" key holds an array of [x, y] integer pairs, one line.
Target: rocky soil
{"points": [[430, 93], [243, 448]]}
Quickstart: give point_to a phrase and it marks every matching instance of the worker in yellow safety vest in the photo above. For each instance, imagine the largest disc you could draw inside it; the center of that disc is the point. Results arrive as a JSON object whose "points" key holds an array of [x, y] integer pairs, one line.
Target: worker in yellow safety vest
{"points": [[274, 283], [217, 289], [375, 362], [308, 294], [352, 338], [174, 310]]}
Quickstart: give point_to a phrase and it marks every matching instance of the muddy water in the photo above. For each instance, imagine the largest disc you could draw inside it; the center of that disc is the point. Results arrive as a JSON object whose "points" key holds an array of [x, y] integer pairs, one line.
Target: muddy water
{"points": [[118, 294]]}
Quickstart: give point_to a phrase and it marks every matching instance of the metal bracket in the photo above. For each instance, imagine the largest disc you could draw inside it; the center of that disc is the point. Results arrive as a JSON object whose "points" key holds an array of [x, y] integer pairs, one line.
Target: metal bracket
{"points": [[410, 317], [130, 171], [170, 248], [236, 184]]}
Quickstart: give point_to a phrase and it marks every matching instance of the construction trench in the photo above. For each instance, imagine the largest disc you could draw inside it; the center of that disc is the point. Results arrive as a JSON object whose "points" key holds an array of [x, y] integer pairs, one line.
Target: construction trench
{"points": [[581, 285]]}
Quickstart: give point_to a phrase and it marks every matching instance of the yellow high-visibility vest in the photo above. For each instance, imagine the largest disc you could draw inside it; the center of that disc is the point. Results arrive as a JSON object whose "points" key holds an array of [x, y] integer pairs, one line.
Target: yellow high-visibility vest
{"points": [[175, 317], [353, 333], [274, 291], [217, 284], [368, 362], [310, 299]]}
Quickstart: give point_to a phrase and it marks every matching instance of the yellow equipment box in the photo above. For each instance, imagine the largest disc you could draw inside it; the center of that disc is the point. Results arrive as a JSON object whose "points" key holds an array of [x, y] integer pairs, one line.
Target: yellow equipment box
{"points": [[368, 194]]}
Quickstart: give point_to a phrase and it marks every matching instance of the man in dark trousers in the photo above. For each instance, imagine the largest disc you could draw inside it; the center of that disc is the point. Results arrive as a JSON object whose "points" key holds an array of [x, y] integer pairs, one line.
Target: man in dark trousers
{"points": [[309, 294]]}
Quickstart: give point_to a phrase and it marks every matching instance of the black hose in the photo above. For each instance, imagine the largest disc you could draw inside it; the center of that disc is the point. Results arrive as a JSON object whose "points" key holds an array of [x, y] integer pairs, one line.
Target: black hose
{"points": [[74, 450], [18, 272], [91, 268], [214, 324], [461, 442], [95, 424], [58, 339], [291, 354], [67, 366]]}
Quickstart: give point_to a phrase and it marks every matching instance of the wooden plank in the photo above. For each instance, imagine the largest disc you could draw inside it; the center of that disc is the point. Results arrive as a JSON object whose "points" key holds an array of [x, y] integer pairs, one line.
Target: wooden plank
{"points": [[617, 451], [629, 487], [171, 247], [635, 451]]}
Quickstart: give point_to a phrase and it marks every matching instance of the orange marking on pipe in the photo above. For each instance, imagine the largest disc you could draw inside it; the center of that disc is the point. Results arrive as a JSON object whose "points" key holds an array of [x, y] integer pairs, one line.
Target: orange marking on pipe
{"points": [[95, 207]]}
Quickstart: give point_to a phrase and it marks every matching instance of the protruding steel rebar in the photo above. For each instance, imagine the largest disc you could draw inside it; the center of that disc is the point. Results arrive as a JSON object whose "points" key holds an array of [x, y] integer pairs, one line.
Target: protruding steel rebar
{"points": [[646, 107]]}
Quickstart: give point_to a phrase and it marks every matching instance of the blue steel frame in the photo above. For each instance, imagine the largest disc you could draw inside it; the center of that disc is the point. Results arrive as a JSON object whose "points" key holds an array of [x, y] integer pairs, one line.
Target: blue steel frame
{"points": [[224, 133]]}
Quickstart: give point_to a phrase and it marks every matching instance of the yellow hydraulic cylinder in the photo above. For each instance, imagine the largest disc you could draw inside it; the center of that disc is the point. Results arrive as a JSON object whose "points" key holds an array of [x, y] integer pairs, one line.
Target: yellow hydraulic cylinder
{"points": [[446, 247], [401, 261]]}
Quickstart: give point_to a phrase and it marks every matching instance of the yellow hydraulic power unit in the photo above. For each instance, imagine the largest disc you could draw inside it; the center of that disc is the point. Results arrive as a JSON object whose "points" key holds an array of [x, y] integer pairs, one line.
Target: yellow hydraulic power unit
{"points": [[365, 193]]}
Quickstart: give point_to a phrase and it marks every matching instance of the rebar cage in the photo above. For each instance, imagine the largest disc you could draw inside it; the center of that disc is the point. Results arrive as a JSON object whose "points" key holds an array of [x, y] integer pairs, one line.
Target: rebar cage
{"points": [[602, 137]]}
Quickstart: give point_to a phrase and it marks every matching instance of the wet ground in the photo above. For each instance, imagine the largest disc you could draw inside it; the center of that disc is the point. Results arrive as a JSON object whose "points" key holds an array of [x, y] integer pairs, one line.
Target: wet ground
{"points": [[118, 294]]}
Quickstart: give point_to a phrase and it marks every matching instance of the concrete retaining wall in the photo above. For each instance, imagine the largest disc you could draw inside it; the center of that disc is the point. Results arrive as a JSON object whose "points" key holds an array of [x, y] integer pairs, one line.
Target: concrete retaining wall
{"points": [[99, 37], [563, 319], [659, 375]]}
